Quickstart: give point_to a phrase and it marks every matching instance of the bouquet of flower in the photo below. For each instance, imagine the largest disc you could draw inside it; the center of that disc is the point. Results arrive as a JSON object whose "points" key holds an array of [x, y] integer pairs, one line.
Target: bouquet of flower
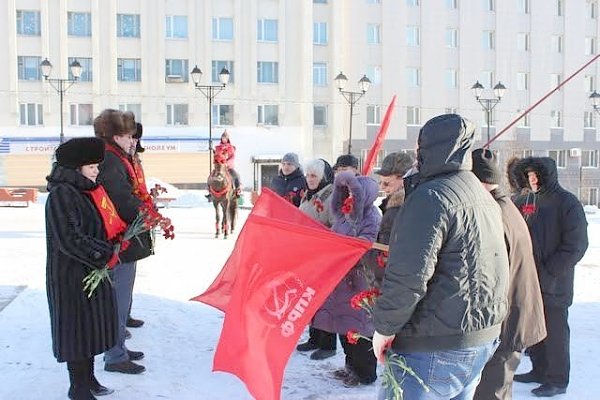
{"points": [[365, 300], [147, 219]]}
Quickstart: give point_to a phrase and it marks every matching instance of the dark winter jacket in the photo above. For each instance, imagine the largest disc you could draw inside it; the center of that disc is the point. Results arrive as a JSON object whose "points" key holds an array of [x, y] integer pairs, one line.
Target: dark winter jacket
{"points": [[336, 315], [390, 206], [525, 325], [446, 281], [119, 186], [291, 187], [76, 244], [558, 229]]}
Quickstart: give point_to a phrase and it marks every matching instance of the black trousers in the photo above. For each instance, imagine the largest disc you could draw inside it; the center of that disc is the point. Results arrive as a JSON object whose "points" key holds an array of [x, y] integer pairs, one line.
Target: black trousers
{"points": [[235, 176], [497, 376], [551, 358], [323, 339], [360, 359]]}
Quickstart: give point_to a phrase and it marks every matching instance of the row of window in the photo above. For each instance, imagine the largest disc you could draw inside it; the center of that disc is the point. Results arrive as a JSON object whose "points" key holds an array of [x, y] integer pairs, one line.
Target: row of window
{"points": [[523, 6]]}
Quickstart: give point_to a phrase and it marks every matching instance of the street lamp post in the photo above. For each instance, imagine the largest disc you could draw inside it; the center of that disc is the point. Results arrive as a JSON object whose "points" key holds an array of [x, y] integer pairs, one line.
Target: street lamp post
{"points": [[352, 97], [61, 85], [488, 104], [210, 92]]}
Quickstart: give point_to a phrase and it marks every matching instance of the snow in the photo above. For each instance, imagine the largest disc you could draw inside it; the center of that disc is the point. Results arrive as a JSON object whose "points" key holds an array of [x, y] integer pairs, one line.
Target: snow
{"points": [[180, 336]]}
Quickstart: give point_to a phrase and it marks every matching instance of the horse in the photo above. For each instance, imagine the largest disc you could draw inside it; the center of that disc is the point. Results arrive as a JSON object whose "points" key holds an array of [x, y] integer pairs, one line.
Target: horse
{"points": [[220, 187]]}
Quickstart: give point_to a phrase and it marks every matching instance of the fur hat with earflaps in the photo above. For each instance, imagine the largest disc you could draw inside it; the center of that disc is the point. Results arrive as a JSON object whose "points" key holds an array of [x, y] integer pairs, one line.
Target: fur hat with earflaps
{"points": [[78, 152]]}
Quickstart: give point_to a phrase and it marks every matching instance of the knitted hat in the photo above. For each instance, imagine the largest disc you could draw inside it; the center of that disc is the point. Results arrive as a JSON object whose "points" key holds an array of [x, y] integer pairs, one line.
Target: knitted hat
{"points": [[138, 135], [291, 158], [77, 152], [485, 166], [396, 164], [346, 160]]}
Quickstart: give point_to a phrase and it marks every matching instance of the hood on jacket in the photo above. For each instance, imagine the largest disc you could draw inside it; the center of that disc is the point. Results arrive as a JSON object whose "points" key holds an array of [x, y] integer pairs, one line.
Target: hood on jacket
{"points": [[544, 167], [364, 192], [444, 145]]}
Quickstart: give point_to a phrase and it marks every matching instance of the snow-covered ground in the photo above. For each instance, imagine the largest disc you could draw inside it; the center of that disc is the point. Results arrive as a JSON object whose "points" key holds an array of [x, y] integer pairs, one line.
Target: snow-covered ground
{"points": [[180, 336]]}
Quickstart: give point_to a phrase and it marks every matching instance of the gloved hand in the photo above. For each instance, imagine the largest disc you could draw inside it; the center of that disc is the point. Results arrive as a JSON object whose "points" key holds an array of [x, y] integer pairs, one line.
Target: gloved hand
{"points": [[380, 344]]}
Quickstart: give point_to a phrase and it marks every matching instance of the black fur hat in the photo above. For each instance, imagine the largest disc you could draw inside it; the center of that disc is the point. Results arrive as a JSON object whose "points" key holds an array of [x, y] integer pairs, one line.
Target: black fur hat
{"points": [[77, 152], [139, 130]]}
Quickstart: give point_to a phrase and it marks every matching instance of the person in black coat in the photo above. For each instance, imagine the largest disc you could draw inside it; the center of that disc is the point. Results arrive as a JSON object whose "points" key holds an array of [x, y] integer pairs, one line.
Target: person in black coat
{"points": [[524, 326], [76, 241], [128, 192], [558, 229], [290, 183]]}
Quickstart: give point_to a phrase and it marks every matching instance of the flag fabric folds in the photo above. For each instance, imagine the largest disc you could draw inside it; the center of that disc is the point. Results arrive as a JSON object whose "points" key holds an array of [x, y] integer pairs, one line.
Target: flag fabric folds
{"points": [[283, 272], [372, 154]]}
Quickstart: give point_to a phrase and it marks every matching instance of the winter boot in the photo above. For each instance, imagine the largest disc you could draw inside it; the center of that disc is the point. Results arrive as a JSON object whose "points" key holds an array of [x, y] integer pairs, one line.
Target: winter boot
{"points": [[95, 387], [79, 378]]}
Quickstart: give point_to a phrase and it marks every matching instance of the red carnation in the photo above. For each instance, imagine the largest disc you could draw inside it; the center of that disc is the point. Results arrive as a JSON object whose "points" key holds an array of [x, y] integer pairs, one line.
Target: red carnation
{"points": [[348, 205], [352, 337]]}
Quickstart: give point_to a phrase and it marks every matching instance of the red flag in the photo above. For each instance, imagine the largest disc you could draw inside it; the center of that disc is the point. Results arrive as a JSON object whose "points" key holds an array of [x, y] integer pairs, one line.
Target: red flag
{"points": [[286, 273], [372, 155], [269, 205]]}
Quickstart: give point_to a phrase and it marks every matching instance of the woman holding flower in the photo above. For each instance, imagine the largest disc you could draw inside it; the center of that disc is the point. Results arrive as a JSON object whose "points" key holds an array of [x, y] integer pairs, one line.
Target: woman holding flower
{"points": [[355, 215], [317, 204], [80, 220], [127, 190]]}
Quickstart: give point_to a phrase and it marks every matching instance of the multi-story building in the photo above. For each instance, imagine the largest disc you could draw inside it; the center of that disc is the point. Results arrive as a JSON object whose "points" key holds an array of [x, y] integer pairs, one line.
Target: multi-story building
{"points": [[283, 56]]}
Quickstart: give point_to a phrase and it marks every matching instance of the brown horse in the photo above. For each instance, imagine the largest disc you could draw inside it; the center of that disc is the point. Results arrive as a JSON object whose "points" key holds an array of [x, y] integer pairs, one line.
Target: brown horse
{"points": [[222, 192]]}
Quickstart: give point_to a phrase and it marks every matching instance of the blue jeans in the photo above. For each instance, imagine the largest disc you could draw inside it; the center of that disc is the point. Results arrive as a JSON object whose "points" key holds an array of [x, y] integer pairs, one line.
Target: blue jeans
{"points": [[449, 374]]}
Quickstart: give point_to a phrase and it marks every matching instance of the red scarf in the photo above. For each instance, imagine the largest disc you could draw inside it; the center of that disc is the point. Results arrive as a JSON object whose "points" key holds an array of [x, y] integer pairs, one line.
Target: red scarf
{"points": [[113, 224], [136, 174]]}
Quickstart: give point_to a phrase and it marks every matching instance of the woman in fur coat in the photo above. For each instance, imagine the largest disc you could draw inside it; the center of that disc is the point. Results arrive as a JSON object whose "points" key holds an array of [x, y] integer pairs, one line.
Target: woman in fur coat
{"points": [[77, 231]]}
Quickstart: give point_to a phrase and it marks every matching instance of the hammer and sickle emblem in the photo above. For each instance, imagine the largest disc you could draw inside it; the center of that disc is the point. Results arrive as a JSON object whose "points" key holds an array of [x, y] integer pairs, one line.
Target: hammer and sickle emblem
{"points": [[281, 307], [110, 207]]}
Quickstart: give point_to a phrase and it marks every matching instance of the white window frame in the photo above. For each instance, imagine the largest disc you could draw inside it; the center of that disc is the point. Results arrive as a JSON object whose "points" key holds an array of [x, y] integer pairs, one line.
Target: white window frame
{"points": [[590, 46], [589, 196], [525, 121], [450, 110], [374, 74], [27, 64], [559, 156], [487, 79], [555, 80], [556, 120], [451, 37], [135, 108], [320, 33], [217, 66], [176, 27], [373, 114], [137, 64], [323, 110], [589, 83], [173, 110], [451, 78], [373, 33], [523, 41], [412, 3], [220, 29], [524, 6], [592, 9], [76, 111], [263, 34], [31, 114], [557, 43], [87, 65], [172, 66], [489, 5], [23, 23], [413, 77], [266, 68], [522, 81], [73, 28], [219, 112], [589, 158], [413, 115], [589, 119], [489, 40], [413, 36], [123, 28], [452, 4], [319, 74], [263, 119], [560, 8]]}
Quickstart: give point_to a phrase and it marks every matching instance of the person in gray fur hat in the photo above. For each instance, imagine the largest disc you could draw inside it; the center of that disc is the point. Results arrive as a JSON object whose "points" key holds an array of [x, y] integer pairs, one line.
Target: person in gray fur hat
{"points": [[290, 183]]}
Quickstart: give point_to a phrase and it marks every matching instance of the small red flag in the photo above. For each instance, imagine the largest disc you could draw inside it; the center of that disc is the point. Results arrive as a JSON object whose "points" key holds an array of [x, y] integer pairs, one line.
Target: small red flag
{"points": [[270, 205], [372, 155], [286, 273]]}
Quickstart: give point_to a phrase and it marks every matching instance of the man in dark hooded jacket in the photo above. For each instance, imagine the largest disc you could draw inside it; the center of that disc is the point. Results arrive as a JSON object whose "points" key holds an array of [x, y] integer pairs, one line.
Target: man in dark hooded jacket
{"points": [[524, 325], [558, 229], [444, 292]]}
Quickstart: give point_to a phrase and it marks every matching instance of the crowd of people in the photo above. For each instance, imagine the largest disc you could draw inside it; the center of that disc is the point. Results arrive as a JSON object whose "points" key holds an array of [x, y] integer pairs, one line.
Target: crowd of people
{"points": [[472, 275]]}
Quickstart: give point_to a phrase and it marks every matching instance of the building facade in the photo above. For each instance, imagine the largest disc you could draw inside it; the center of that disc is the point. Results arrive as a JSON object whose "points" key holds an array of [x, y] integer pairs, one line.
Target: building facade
{"points": [[283, 56]]}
